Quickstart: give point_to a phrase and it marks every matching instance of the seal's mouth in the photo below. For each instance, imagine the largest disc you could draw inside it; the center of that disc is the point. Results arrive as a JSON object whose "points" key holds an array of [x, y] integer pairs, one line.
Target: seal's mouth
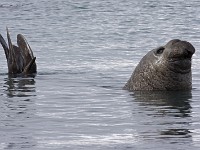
{"points": [[178, 59], [180, 64]]}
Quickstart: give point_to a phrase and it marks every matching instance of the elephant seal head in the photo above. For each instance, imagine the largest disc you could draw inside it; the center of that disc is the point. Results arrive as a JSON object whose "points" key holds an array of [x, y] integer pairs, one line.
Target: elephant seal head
{"points": [[164, 68]]}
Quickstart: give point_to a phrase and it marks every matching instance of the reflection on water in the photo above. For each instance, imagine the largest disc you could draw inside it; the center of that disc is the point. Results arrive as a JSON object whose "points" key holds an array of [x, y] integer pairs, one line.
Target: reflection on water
{"points": [[179, 100], [17, 113], [19, 87], [170, 108]]}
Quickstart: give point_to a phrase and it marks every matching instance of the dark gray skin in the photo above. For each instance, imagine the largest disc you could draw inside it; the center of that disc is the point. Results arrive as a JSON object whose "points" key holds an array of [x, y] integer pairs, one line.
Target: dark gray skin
{"points": [[20, 59], [164, 68]]}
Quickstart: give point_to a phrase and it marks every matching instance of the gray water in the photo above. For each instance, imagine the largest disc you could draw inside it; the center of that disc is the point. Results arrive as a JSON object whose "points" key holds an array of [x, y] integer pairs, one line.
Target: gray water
{"points": [[86, 51]]}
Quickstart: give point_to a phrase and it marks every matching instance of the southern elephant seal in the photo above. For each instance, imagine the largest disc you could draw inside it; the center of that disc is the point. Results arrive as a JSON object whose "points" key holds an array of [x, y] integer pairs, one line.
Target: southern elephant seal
{"points": [[20, 59], [164, 68]]}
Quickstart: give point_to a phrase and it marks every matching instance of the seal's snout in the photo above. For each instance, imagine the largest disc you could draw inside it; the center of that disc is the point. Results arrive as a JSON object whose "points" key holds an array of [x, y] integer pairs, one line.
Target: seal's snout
{"points": [[188, 50], [179, 50], [188, 53]]}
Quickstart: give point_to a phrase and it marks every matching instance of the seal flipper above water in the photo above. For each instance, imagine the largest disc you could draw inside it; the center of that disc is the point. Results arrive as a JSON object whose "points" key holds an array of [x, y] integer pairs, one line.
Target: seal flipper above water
{"points": [[13, 66], [30, 67], [20, 59], [27, 53], [25, 48], [5, 46]]}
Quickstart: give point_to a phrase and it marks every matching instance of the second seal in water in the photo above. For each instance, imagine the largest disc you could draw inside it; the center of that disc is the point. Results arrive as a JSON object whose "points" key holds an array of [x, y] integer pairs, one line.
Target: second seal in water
{"points": [[164, 68]]}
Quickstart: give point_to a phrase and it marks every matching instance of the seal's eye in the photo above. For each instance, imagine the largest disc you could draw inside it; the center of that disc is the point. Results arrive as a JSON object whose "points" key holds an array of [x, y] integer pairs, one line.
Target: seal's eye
{"points": [[159, 50]]}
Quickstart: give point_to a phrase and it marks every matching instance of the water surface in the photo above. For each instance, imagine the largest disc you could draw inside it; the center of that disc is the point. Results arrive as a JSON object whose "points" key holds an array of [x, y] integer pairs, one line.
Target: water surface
{"points": [[86, 51]]}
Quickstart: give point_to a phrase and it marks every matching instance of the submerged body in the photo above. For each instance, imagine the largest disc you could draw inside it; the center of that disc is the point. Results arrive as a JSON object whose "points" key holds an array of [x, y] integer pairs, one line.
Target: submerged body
{"points": [[164, 68], [20, 59]]}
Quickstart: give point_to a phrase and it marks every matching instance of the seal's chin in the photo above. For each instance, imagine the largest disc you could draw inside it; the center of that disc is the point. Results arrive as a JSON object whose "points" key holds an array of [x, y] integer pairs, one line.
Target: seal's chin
{"points": [[180, 65]]}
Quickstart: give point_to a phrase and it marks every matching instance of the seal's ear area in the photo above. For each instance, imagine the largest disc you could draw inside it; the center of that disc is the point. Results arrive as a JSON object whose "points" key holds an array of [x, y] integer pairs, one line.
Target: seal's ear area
{"points": [[5, 46], [158, 51], [30, 67]]}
